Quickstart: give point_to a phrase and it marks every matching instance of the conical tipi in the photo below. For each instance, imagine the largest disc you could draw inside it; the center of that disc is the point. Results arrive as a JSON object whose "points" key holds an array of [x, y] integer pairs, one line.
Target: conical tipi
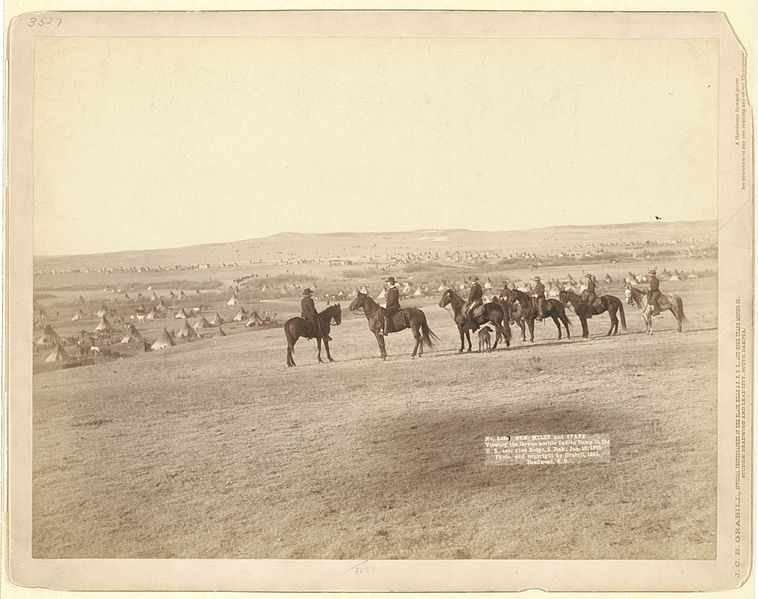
{"points": [[57, 355], [163, 341], [202, 323], [103, 325], [186, 332], [133, 336], [181, 314], [217, 320], [233, 301]]}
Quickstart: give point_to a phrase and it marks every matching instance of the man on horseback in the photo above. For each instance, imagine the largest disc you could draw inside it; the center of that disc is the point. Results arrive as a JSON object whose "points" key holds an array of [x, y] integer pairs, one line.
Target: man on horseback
{"points": [[654, 293], [475, 296], [392, 306], [309, 313], [590, 294], [538, 292]]}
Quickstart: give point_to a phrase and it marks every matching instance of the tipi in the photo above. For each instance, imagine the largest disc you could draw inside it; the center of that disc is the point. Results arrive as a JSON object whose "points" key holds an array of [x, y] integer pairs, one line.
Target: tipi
{"points": [[234, 300], [57, 355], [79, 315], [163, 341], [103, 325], [202, 323], [186, 332], [217, 320], [182, 314], [133, 336]]}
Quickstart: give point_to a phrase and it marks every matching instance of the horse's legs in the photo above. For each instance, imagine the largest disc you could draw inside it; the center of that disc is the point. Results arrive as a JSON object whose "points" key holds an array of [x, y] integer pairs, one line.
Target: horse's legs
{"points": [[530, 324], [498, 331], [614, 322], [318, 344], [328, 353], [564, 320], [463, 337], [380, 343], [585, 328], [468, 339], [522, 326], [419, 347], [557, 324], [290, 349], [678, 319]]}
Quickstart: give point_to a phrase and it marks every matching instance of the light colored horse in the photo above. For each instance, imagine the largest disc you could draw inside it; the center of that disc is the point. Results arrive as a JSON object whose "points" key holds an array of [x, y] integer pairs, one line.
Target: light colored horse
{"points": [[666, 302]]}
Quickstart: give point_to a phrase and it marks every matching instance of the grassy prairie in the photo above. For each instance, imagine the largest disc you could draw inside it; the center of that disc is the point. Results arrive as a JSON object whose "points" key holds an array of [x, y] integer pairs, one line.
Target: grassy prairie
{"points": [[216, 449]]}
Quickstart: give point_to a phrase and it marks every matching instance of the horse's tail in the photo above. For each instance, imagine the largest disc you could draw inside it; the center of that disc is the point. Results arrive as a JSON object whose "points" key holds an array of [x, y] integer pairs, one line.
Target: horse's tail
{"points": [[680, 308], [621, 314], [427, 335]]}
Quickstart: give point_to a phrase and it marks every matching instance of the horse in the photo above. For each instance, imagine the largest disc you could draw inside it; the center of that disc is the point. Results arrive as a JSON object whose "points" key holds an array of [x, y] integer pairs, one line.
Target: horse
{"points": [[608, 303], [298, 327], [491, 312], [412, 318], [672, 303], [553, 308]]}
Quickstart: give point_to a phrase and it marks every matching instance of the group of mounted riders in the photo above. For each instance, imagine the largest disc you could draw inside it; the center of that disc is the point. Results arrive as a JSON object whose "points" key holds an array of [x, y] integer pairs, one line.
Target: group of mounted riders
{"points": [[475, 301], [513, 305]]}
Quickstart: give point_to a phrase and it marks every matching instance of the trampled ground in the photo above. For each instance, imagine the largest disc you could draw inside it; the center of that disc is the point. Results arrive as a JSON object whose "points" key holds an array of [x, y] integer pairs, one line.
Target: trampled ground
{"points": [[216, 449]]}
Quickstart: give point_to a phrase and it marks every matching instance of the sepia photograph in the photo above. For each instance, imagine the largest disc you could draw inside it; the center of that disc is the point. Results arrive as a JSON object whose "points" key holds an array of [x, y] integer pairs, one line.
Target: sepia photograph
{"points": [[383, 289]]}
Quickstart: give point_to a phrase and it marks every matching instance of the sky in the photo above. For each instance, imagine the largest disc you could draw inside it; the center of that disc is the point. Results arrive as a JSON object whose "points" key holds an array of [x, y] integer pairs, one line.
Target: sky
{"points": [[162, 142]]}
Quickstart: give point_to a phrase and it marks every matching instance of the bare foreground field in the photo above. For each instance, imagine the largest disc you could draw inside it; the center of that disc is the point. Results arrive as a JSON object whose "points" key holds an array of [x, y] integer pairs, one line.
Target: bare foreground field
{"points": [[216, 449]]}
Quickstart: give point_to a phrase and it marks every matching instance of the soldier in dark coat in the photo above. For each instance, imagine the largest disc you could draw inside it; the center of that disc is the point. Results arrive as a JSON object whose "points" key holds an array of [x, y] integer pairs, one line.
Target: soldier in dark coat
{"points": [[475, 295], [309, 313], [654, 293], [539, 293], [590, 294], [392, 306]]}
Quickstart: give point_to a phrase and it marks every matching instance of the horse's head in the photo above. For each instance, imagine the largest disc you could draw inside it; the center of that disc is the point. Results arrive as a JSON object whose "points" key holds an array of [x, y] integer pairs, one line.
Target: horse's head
{"points": [[629, 294], [357, 303], [445, 299], [337, 314], [563, 296]]}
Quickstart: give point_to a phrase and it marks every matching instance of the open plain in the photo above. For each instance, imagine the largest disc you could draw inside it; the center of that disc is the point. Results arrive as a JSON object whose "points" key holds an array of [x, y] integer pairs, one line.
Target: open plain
{"points": [[215, 449]]}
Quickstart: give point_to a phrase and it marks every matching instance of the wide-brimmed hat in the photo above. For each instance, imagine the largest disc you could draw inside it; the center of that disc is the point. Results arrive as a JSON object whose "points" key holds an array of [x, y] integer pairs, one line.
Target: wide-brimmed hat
{"points": [[536, 278], [473, 278], [651, 272], [307, 291], [390, 280], [588, 275]]}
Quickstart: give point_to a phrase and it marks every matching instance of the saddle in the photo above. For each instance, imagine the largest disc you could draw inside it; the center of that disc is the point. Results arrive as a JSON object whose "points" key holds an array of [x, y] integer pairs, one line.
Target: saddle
{"points": [[397, 319]]}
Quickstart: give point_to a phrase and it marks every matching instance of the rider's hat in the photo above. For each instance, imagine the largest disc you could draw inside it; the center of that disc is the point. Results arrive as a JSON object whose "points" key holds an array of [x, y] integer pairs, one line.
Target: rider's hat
{"points": [[307, 291], [588, 275], [651, 272], [390, 280], [474, 278], [536, 278]]}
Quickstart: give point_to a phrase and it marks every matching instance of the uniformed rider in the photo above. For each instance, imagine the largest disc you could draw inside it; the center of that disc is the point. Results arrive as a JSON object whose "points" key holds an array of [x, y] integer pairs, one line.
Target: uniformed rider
{"points": [[475, 295], [392, 305], [309, 313], [538, 292]]}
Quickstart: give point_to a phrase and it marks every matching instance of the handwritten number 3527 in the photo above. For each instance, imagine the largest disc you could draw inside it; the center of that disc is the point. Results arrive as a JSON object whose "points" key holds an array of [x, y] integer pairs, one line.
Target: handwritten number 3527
{"points": [[43, 21]]}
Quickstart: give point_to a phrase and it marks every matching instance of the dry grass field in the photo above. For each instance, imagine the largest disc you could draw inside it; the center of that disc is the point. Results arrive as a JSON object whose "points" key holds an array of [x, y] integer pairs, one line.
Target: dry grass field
{"points": [[217, 449]]}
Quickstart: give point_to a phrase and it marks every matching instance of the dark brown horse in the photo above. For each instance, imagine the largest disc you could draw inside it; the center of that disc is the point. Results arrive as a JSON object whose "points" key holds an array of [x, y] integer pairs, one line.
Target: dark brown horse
{"points": [[604, 303], [298, 327], [490, 312], [411, 318], [553, 308]]}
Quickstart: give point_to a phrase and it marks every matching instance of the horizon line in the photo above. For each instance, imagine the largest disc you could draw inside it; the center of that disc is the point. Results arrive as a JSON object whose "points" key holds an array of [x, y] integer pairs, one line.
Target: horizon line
{"points": [[398, 232]]}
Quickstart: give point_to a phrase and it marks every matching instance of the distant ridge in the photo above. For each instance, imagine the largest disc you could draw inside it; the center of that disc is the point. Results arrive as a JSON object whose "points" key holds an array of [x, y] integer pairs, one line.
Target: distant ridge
{"points": [[357, 246]]}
